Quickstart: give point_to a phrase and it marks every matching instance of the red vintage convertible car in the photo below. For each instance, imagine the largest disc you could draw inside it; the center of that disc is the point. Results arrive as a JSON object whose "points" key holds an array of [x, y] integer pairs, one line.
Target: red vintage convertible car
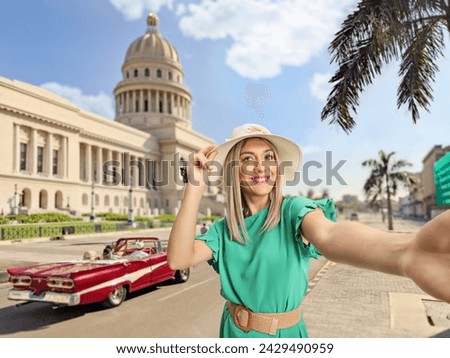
{"points": [[128, 265]]}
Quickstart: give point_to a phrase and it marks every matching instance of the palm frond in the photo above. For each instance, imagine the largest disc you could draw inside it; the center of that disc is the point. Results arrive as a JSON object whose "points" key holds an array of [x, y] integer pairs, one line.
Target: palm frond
{"points": [[418, 67], [376, 33]]}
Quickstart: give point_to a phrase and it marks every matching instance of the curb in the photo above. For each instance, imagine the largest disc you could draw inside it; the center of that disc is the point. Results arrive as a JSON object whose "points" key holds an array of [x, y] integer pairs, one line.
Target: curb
{"points": [[4, 276]]}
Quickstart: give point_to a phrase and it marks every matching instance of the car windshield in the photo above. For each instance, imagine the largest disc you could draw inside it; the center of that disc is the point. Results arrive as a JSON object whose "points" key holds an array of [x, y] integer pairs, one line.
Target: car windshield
{"points": [[126, 247]]}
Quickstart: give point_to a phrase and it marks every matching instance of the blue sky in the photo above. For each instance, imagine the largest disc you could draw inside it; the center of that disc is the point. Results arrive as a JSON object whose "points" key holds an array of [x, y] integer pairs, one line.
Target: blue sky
{"points": [[230, 50]]}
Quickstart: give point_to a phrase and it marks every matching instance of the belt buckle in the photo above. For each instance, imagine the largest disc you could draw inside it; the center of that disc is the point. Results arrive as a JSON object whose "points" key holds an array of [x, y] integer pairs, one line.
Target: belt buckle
{"points": [[237, 310]]}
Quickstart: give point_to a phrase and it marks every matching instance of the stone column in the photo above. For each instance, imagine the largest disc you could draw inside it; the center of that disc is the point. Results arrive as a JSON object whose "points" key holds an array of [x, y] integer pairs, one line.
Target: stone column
{"points": [[98, 167], [179, 111], [165, 103], [182, 108], [157, 101], [87, 163], [126, 169], [171, 103], [16, 166], [63, 163], [33, 151], [48, 158], [109, 158], [134, 102], [134, 172], [141, 101]]}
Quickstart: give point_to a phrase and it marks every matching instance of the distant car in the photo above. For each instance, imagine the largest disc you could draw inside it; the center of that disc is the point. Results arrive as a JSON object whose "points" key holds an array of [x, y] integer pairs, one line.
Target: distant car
{"points": [[354, 217], [95, 279]]}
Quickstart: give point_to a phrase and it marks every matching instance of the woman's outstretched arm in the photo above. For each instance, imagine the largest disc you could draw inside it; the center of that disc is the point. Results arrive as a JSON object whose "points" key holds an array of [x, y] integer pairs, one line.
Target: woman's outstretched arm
{"points": [[183, 250], [423, 256]]}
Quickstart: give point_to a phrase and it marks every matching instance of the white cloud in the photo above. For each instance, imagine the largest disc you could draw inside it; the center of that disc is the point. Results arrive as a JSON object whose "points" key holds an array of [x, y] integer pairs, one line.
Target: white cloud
{"points": [[180, 10], [134, 9], [266, 34], [319, 86], [308, 149], [100, 104]]}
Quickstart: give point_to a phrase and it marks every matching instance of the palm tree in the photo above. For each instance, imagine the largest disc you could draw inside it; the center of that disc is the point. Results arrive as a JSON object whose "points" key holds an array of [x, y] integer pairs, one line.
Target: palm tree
{"points": [[378, 32], [387, 174]]}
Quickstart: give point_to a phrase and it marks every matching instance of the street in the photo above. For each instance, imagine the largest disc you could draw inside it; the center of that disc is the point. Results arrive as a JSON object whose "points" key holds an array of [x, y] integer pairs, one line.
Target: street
{"points": [[192, 309]]}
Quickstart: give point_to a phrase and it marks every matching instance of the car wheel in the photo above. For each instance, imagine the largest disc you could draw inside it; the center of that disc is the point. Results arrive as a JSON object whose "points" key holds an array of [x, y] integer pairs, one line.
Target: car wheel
{"points": [[116, 297], [182, 275]]}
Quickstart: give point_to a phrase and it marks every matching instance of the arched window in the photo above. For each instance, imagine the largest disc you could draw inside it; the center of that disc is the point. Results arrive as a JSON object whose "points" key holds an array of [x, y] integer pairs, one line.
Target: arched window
{"points": [[147, 72], [142, 203], [170, 76], [58, 200], [106, 200], [25, 198], [43, 199], [128, 75], [135, 73], [158, 73], [84, 199], [116, 201]]}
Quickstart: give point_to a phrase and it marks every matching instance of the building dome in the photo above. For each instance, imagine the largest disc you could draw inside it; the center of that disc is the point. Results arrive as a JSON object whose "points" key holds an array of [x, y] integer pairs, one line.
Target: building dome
{"points": [[152, 46], [151, 93]]}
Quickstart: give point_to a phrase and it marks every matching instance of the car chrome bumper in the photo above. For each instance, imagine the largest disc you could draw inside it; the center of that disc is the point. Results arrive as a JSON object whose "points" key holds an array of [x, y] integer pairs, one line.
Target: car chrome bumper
{"points": [[70, 299]]}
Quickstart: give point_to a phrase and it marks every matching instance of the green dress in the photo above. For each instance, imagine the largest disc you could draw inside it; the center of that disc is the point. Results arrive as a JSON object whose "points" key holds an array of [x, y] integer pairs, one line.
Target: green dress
{"points": [[269, 273]]}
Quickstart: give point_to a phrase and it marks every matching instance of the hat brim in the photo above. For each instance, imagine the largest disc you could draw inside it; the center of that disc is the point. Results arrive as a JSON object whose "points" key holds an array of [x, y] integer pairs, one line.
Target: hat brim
{"points": [[289, 153]]}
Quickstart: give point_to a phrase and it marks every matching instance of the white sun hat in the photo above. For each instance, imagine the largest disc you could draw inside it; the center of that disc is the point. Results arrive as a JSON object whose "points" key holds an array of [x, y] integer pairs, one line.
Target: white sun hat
{"points": [[139, 245], [289, 153]]}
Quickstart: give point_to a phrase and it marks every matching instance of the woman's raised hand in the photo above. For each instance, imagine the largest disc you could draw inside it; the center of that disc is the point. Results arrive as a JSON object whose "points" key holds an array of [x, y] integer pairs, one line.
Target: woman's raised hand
{"points": [[198, 169]]}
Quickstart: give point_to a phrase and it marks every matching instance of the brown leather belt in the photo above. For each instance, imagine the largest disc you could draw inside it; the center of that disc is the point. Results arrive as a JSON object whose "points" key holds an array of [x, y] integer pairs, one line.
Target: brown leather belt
{"points": [[268, 323]]}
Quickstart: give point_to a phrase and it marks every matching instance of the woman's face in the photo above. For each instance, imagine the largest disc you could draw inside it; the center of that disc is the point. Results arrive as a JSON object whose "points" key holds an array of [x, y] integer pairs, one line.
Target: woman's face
{"points": [[258, 168]]}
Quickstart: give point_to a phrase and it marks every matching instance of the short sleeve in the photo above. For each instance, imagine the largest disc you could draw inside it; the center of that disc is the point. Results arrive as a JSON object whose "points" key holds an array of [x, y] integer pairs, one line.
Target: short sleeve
{"points": [[212, 239], [302, 206]]}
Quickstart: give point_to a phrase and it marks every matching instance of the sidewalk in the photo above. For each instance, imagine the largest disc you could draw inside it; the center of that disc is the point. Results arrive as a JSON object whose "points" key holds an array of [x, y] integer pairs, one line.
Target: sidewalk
{"points": [[349, 302]]}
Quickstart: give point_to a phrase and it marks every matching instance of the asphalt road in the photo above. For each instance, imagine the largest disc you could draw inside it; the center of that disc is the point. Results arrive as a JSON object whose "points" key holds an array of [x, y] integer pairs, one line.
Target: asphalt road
{"points": [[191, 309]]}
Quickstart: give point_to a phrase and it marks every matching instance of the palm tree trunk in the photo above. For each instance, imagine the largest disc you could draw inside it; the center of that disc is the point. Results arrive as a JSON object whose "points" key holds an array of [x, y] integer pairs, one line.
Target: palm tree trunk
{"points": [[389, 205]]}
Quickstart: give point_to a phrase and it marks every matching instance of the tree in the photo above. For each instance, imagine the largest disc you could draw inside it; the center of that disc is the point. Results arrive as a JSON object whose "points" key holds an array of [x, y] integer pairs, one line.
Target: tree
{"points": [[378, 32], [387, 174], [310, 193], [325, 193]]}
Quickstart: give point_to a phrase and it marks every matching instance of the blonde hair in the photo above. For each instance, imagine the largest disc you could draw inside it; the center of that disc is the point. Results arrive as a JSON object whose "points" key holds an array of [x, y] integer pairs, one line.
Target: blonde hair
{"points": [[235, 202]]}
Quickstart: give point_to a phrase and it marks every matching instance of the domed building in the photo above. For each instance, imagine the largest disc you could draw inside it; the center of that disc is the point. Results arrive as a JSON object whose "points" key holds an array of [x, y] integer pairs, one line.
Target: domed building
{"points": [[151, 95], [58, 157]]}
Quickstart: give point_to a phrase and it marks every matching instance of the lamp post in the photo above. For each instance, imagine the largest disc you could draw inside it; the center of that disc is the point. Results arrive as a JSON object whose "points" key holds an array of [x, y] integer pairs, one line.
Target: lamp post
{"points": [[92, 216], [183, 170], [130, 205]]}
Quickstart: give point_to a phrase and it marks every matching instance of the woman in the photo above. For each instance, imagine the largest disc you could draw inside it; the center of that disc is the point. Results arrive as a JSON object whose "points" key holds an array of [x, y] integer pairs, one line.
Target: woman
{"points": [[261, 250]]}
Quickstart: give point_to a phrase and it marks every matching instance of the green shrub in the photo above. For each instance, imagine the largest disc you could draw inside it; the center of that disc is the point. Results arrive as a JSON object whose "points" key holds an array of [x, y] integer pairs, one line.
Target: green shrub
{"points": [[143, 219], [164, 218], [113, 217], [4, 220], [42, 218], [210, 218]]}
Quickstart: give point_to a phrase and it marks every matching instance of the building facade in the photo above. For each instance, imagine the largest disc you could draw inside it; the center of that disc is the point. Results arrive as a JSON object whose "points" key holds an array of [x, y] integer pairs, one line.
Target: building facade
{"points": [[421, 201], [428, 180], [58, 157]]}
